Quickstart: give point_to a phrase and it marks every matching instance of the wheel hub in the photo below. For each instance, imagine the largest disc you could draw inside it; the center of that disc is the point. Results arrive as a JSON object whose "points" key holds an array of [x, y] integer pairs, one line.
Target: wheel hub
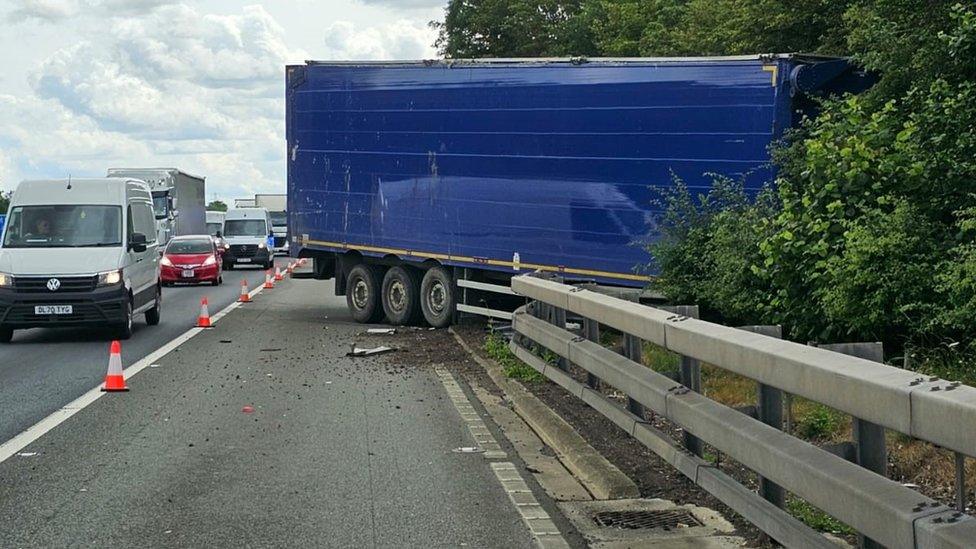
{"points": [[360, 294], [436, 297], [398, 296]]}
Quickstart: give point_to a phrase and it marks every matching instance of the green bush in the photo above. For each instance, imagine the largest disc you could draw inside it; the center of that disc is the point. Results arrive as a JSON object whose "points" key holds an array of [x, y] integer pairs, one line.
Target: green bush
{"points": [[496, 347], [819, 423]]}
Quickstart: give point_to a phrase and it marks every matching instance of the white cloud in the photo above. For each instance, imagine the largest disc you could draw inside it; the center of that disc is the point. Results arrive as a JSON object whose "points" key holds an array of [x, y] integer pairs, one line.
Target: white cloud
{"points": [[403, 39], [160, 82], [57, 10]]}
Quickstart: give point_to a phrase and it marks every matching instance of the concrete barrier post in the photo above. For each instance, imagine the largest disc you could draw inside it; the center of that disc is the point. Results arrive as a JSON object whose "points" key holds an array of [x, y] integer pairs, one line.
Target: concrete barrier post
{"points": [[689, 374], [591, 331], [633, 349], [770, 411], [869, 438]]}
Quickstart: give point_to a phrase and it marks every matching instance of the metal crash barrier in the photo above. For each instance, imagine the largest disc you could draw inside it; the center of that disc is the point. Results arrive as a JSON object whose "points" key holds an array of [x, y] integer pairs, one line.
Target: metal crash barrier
{"points": [[877, 396]]}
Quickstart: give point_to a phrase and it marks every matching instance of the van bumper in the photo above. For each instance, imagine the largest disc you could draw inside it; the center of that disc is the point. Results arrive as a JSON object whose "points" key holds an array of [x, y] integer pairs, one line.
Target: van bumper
{"points": [[99, 307]]}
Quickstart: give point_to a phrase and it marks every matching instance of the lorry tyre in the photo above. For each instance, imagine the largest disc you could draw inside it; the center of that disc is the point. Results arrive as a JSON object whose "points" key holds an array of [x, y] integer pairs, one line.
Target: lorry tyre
{"points": [[6, 335], [153, 315], [438, 297], [401, 295], [124, 330], [363, 289]]}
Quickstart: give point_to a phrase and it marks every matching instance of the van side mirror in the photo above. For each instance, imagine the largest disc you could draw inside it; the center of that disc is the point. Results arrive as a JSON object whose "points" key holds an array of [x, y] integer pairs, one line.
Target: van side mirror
{"points": [[219, 234], [137, 242]]}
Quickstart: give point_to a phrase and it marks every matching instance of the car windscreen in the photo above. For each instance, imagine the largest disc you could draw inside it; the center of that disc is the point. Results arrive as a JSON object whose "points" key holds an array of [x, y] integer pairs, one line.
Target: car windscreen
{"points": [[245, 227], [69, 226], [194, 247]]}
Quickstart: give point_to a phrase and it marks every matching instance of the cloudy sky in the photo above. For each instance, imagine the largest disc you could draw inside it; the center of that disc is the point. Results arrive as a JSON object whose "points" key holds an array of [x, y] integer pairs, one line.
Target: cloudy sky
{"points": [[196, 84]]}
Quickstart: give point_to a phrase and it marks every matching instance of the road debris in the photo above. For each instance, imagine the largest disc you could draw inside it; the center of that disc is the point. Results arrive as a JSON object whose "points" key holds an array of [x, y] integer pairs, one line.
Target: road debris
{"points": [[356, 351], [381, 331], [248, 409], [469, 450], [27, 454]]}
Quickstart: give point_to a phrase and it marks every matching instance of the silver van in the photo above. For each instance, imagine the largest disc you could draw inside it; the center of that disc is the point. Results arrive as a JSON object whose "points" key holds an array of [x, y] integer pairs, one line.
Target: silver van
{"points": [[79, 252]]}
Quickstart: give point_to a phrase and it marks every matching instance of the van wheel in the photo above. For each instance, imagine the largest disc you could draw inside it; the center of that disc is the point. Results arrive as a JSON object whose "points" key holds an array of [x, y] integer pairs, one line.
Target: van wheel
{"points": [[401, 295], [124, 331], [6, 335], [363, 294], [438, 297], [153, 315]]}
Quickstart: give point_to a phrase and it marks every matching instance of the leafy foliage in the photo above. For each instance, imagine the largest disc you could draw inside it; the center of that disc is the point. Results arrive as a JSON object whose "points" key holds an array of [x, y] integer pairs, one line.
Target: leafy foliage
{"points": [[496, 347], [4, 202], [217, 206], [869, 233]]}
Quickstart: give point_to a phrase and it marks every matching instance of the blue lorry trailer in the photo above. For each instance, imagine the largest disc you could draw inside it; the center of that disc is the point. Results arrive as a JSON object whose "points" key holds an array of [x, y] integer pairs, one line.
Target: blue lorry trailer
{"points": [[417, 170]]}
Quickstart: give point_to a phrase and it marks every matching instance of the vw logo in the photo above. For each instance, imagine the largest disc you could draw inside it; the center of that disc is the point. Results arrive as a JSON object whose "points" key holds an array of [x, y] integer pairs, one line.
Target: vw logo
{"points": [[54, 284]]}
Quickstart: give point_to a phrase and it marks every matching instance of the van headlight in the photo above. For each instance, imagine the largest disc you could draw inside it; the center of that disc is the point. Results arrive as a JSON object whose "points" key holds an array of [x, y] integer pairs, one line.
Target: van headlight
{"points": [[6, 281], [262, 245], [110, 278]]}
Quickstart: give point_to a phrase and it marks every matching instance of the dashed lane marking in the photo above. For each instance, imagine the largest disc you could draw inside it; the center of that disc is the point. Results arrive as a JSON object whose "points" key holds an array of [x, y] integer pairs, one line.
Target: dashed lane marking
{"points": [[536, 518], [36, 431]]}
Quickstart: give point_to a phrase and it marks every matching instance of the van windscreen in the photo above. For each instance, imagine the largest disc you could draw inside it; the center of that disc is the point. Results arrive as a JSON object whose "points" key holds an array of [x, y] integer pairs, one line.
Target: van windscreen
{"points": [[74, 226], [245, 227]]}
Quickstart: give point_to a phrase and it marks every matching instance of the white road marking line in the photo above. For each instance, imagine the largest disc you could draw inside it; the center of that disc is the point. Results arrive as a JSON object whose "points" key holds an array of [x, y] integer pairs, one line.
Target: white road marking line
{"points": [[544, 531], [36, 431], [479, 431]]}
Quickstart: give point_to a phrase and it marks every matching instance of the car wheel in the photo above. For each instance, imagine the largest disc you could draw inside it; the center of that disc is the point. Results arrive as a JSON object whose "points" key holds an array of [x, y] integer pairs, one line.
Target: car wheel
{"points": [[438, 297], [6, 335], [124, 330], [363, 294], [153, 315], [215, 282], [401, 295]]}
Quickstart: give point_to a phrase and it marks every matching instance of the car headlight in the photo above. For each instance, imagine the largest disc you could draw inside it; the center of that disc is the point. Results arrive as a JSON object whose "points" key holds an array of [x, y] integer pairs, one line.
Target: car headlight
{"points": [[6, 281], [110, 278], [211, 260], [165, 262]]}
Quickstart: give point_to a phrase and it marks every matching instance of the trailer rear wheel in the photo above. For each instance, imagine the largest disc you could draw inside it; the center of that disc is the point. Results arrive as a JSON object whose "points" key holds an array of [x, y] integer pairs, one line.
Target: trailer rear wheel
{"points": [[363, 294], [438, 297], [401, 295]]}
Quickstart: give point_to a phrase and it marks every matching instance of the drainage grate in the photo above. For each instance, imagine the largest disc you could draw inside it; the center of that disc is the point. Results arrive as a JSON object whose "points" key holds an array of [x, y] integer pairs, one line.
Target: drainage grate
{"points": [[647, 520]]}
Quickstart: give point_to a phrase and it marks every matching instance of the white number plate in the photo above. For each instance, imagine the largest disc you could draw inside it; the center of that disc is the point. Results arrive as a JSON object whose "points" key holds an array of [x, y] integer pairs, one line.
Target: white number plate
{"points": [[187, 273], [52, 309], [244, 260]]}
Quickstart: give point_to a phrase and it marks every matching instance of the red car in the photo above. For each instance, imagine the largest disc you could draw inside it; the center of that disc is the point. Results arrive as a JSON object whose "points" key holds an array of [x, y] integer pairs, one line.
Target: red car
{"points": [[192, 260]]}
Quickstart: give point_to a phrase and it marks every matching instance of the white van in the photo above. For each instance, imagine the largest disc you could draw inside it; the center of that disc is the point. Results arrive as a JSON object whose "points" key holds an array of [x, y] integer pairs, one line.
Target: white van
{"points": [[215, 223], [248, 233], [79, 252]]}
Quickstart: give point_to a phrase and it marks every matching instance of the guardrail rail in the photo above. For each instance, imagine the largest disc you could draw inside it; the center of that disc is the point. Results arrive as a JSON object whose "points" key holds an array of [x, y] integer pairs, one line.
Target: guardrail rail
{"points": [[877, 396]]}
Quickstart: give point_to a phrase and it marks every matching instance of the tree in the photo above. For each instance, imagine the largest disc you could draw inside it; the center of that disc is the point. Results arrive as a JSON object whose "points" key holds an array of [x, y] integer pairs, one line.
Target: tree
{"points": [[512, 28], [4, 202], [217, 206]]}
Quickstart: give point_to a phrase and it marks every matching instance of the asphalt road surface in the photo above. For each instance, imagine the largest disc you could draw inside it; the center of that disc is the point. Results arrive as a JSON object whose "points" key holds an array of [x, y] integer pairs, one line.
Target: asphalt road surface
{"points": [[260, 432], [44, 369]]}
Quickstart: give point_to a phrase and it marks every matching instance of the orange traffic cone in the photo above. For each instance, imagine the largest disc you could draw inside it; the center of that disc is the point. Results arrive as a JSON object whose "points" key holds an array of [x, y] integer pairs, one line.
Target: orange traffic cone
{"points": [[114, 380], [245, 295], [290, 268], [268, 282], [278, 275], [203, 321]]}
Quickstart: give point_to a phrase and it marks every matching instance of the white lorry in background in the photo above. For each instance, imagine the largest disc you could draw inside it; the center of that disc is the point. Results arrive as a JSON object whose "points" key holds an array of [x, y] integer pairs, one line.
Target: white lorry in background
{"points": [[215, 223], [277, 206], [79, 252], [179, 201], [244, 203]]}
